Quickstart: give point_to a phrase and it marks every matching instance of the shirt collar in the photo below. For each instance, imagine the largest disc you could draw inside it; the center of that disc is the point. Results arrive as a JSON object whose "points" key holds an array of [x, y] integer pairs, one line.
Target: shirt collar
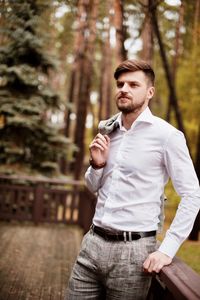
{"points": [[146, 116]]}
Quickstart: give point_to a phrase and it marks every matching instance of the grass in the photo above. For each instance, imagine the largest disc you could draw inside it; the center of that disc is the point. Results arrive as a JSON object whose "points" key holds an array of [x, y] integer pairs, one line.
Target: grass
{"points": [[189, 252]]}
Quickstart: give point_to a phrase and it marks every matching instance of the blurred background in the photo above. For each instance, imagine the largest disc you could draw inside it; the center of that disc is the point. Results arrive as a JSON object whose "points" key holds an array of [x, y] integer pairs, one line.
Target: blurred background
{"points": [[56, 75], [57, 60]]}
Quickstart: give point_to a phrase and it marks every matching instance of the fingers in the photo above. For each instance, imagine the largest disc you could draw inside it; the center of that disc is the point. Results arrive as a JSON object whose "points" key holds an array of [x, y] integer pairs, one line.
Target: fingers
{"points": [[107, 138], [104, 138], [156, 261], [146, 264], [101, 142], [153, 267]]}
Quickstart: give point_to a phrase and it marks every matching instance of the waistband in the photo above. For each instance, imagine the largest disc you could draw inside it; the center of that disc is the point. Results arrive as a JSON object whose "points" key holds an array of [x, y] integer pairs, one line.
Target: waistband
{"points": [[121, 235]]}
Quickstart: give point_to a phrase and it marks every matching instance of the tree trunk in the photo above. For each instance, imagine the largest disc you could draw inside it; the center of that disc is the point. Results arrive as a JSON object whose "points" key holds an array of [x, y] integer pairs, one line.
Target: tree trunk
{"points": [[171, 86], [196, 23], [147, 35], [79, 48], [74, 86], [105, 90], [91, 9], [121, 53], [177, 53]]}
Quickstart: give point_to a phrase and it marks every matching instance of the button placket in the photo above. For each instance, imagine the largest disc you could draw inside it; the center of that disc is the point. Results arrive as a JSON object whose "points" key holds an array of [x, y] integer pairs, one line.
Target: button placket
{"points": [[114, 185]]}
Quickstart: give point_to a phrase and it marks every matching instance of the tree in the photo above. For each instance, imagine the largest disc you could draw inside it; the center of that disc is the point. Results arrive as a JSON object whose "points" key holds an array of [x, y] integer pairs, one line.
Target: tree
{"points": [[89, 16], [120, 51], [147, 35], [79, 48], [105, 90], [172, 91], [28, 138], [177, 45]]}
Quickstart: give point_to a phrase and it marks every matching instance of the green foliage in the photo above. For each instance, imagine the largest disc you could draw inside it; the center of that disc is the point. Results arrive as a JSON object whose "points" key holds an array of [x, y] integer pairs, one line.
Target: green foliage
{"points": [[187, 67], [190, 253], [28, 138]]}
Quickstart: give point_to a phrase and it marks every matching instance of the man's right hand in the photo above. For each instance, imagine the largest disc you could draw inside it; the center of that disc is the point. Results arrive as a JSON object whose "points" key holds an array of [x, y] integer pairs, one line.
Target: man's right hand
{"points": [[99, 148]]}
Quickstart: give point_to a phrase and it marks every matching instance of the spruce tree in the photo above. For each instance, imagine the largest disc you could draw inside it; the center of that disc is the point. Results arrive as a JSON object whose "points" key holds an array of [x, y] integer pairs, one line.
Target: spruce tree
{"points": [[28, 140]]}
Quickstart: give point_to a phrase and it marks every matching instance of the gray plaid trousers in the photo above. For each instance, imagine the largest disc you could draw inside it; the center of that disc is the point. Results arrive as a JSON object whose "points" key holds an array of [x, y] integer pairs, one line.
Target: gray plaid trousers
{"points": [[107, 270]]}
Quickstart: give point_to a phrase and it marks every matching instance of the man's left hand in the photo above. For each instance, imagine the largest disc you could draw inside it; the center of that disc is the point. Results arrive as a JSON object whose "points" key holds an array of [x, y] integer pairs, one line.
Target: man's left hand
{"points": [[155, 261]]}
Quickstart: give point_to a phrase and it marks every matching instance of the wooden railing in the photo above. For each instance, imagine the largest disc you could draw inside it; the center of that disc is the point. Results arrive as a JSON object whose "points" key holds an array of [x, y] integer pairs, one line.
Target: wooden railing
{"points": [[175, 282], [42, 200], [70, 202]]}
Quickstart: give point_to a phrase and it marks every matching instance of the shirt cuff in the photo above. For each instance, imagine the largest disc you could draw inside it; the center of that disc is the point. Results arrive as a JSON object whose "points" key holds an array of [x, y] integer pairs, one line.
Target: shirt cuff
{"points": [[169, 246], [96, 172]]}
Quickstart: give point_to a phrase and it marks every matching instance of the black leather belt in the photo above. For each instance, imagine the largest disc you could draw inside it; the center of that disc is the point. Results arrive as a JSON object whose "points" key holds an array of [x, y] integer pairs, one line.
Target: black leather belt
{"points": [[121, 235]]}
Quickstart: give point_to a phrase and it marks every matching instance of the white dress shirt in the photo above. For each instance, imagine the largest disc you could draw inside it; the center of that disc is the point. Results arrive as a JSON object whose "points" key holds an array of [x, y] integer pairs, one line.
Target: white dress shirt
{"points": [[131, 185]]}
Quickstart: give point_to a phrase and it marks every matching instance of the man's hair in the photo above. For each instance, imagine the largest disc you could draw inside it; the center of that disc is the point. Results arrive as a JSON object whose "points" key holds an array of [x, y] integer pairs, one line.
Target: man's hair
{"points": [[132, 65]]}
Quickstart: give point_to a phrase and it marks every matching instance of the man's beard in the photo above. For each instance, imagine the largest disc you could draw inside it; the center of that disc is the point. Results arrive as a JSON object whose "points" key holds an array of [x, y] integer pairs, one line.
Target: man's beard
{"points": [[130, 107]]}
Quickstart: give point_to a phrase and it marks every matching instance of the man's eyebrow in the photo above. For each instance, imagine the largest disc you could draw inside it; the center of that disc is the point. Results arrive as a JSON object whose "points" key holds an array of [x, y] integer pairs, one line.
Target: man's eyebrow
{"points": [[128, 81]]}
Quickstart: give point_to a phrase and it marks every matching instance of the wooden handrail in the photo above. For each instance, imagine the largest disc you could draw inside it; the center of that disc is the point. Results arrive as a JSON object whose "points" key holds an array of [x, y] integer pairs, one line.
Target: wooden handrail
{"points": [[46, 200], [181, 280], [44, 180]]}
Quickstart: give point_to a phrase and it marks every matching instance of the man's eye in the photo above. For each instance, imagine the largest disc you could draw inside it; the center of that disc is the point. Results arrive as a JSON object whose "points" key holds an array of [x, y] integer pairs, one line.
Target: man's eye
{"points": [[120, 84], [133, 85]]}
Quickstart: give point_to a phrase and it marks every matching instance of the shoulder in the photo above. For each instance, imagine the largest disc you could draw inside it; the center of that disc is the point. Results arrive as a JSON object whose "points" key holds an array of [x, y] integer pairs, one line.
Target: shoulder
{"points": [[165, 131], [161, 123]]}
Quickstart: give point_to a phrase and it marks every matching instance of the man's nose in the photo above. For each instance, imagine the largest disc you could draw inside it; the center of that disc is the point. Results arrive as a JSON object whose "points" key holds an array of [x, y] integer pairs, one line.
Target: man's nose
{"points": [[125, 87]]}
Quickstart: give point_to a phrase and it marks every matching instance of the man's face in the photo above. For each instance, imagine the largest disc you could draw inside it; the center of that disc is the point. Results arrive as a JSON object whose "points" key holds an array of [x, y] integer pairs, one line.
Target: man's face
{"points": [[133, 91]]}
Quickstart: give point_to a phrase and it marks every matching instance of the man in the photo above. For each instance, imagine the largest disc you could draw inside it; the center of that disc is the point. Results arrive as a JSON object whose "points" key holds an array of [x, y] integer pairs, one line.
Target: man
{"points": [[129, 169]]}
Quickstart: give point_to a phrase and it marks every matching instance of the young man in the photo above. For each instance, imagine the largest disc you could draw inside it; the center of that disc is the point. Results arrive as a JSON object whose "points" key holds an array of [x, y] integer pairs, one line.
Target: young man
{"points": [[129, 169]]}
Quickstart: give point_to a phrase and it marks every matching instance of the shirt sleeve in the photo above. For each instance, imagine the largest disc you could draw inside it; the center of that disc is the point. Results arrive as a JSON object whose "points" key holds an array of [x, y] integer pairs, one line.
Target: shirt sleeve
{"points": [[181, 170], [93, 179]]}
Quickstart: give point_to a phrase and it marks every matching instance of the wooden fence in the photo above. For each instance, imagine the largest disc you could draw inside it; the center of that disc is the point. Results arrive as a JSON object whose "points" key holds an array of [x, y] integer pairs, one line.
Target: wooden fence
{"points": [[42, 200], [70, 202]]}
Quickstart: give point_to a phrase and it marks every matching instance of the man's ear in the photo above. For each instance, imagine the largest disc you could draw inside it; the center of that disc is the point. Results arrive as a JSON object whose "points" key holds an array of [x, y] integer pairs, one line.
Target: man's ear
{"points": [[151, 92]]}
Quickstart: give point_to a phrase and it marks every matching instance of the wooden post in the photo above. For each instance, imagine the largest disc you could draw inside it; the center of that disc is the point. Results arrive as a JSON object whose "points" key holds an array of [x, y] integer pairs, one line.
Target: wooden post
{"points": [[38, 203], [87, 205]]}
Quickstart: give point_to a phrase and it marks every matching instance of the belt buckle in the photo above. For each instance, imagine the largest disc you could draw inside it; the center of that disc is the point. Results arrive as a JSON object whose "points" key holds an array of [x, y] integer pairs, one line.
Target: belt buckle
{"points": [[130, 236]]}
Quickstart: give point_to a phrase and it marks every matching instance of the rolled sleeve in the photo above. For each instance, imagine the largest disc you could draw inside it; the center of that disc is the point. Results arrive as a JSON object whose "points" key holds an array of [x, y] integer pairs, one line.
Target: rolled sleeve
{"points": [[93, 179]]}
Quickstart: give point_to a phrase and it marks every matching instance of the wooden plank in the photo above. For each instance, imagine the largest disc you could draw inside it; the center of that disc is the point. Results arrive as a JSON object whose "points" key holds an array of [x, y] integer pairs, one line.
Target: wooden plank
{"points": [[38, 203], [74, 205], [181, 280], [63, 203], [12, 197], [42, 180], [36, 261]]}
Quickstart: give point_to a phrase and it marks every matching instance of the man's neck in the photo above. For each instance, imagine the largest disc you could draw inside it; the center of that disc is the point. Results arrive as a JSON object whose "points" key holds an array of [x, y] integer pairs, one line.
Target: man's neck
{"points": [[129, 118]]}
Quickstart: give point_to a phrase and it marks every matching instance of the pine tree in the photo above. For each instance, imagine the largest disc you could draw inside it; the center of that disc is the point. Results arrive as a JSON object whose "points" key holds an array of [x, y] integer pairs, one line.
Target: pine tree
{"points": [[28, 139]]}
